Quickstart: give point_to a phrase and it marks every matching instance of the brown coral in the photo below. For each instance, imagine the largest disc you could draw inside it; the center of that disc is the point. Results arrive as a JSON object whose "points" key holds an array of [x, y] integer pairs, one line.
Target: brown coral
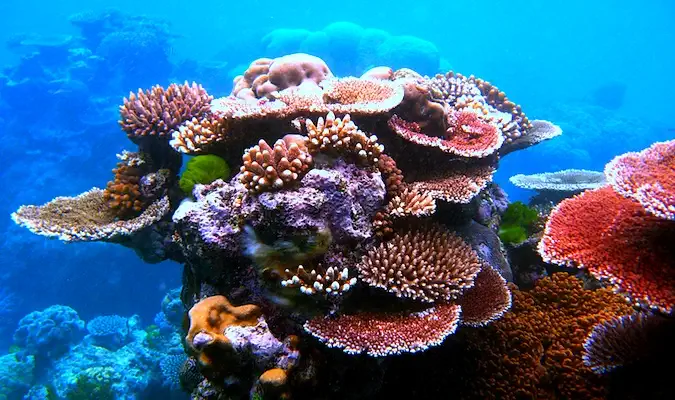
{"points": [[487, 300], [392, 176], [461, 183], [123, 192], [268, 168], [361, 96], [425, 262], [86, 217], [159, 111], [535, 351], [209, 319], [341, 137]]}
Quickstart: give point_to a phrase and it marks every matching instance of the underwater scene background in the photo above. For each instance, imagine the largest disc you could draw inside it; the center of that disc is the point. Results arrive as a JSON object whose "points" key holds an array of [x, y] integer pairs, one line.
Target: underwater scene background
{"points": [[99, 320]]}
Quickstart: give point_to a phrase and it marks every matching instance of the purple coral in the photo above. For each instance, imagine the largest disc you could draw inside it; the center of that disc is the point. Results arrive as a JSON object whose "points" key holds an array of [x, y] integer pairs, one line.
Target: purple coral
{"points": [[340, 197]]}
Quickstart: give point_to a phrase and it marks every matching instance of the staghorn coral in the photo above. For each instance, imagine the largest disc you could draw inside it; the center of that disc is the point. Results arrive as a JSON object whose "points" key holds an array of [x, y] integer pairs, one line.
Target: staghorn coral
{"points": [[86, 217], [268, 168], [123, 193], [384, 334], [487, 300], [614, 239], [461, 183], [425, 262], [534, 351], [159, 111], [647, 177], [342, 137], [393, 177]]}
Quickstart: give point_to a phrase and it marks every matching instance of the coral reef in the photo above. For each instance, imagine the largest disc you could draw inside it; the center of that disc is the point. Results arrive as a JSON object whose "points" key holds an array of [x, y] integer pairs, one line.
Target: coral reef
{"points": [[631, 253], [356, 233], [50, 332]]}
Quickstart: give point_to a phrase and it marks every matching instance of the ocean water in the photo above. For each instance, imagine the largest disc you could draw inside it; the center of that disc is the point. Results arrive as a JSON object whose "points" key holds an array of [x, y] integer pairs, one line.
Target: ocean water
{"points": [[599, 70]]}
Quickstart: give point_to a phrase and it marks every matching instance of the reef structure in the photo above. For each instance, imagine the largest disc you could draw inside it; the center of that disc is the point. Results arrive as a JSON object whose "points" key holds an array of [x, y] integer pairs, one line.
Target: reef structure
{"points": [[330, 237]]}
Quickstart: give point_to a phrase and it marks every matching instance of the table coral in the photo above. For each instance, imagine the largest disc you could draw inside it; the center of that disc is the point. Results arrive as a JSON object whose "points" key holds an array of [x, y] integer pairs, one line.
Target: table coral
{"points": [[382, 334], [615, 239], [647, 177]]}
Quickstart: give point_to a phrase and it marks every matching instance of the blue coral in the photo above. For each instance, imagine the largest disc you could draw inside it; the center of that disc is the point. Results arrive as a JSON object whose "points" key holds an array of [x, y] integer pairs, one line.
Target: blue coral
{"points": [[171, 365], [172, 307], [16, 375], [49, 333]]}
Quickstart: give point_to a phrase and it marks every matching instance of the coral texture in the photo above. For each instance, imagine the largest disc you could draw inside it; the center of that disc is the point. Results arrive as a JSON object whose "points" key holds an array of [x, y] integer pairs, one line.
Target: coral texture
{"points": [[86, 217], [428, 263], [647, 177], [568, 180], [383, 334], [266, 168], [615, 239], [534, 351], [159, 111]]}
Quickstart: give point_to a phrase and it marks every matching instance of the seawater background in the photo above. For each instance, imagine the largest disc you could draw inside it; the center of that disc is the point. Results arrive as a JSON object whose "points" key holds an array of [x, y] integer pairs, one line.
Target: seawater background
{"points": [[566, 61]]}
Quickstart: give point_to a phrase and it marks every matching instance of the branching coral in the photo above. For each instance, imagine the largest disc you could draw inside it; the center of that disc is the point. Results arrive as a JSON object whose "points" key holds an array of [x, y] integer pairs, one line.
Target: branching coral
{"points": [[428, 263], [268, 168], [159, 111], [320, 280], [197, 134], [383, 334], [534, 351], [341, 137]]}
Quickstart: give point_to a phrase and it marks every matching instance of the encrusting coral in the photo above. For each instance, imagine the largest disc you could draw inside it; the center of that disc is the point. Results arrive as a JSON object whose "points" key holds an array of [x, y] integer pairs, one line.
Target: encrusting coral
{"points": [[534, 351]]}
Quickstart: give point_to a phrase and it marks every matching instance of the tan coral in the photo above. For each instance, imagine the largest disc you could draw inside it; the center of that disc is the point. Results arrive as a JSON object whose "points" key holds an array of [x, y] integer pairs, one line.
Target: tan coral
{"points": [[86, 217], [391, 174], [461, 183], [319, 280], [209, 319], [267, 168], [425, 262], [266, 76], [342, 137], [411, 203], [361, 96], [196, 135]]}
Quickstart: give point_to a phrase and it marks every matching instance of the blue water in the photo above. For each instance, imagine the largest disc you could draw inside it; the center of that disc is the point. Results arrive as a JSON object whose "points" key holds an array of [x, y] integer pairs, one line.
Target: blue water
{"points": [[602, 70]]}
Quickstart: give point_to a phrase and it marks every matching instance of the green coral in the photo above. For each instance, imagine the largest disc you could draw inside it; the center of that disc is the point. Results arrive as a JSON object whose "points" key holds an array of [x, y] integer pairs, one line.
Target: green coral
{"points": [[153, 336], [203, 169], [517, 223]]}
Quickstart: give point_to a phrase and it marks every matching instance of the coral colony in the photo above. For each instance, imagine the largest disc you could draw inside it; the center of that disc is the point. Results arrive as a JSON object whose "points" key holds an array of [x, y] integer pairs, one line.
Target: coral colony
{"points": [[341, 231]]}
